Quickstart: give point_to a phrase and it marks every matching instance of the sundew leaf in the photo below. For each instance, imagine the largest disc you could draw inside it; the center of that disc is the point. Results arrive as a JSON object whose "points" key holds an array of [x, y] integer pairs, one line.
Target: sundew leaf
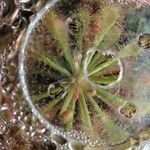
{"points": [[57, 29], [67, 101], [36, 98], [104, 79], [50, 105], [110, 98], [51, 63], [131, 49], [70, 122], [86, 115], [85, 18], [110, 15], [112, 36], [114, 132], [52, 113], [40, 54], [102, 66], [42, 72], [112, 69], [89, 56], [96, 60]]}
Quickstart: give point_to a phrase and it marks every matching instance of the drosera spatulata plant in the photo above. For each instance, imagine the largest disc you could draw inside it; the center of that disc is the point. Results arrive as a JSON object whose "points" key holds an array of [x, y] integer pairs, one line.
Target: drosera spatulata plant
{"points": [[80, 71]]}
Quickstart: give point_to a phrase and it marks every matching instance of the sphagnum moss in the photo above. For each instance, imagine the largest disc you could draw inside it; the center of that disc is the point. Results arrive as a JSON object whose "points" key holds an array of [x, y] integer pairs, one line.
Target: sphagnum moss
{"points": [[85, 73]]}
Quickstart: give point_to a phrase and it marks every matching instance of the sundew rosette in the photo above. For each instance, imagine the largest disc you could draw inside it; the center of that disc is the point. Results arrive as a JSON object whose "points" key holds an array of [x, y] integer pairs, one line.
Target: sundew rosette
{"points": [[76, 72]]}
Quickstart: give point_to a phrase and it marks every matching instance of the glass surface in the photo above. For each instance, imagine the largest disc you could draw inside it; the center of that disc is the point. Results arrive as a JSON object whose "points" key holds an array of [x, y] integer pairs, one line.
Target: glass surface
{"points": [[84, 69], [84, 73]]}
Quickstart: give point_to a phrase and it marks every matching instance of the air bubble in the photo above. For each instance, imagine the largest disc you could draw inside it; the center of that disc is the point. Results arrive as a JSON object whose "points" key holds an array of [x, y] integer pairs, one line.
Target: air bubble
{"points": [[58, 139]]}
